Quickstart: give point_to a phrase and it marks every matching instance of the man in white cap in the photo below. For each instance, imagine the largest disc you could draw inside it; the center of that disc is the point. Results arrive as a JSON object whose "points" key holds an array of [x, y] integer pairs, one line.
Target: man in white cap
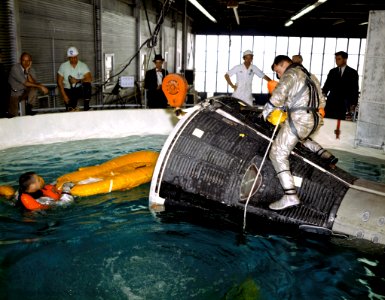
{"points": [[74, 80], [245, 73]]}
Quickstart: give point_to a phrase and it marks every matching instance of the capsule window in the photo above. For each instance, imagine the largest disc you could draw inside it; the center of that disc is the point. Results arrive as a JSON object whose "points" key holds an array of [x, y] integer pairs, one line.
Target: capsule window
{"points": [[248, 181]]}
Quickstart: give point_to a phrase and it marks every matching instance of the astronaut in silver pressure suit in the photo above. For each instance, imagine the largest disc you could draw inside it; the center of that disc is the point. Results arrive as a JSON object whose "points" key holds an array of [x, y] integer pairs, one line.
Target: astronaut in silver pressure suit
{"points": [[299, 94]]}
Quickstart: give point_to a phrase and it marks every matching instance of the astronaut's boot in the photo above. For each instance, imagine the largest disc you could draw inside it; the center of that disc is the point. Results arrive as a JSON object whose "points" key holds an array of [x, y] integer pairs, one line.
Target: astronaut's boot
{"points": [[321, 152], [290, 198], [326, 155]]}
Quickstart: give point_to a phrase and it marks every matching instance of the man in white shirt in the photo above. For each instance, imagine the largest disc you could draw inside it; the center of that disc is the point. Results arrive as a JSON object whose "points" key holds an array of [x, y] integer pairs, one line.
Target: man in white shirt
{"points": [[245, 73], [74, 81]]}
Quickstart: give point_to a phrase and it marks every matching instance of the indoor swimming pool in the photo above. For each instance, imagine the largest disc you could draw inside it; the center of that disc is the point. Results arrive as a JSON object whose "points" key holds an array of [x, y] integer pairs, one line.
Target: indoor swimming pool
{"points": [[112, 246]]}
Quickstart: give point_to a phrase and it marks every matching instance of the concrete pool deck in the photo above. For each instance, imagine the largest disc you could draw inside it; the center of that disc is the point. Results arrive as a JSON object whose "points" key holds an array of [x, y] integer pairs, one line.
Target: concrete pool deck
{"points": [[62, 127]]}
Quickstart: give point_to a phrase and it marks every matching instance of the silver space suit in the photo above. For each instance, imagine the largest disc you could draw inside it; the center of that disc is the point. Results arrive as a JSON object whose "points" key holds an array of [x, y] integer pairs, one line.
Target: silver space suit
{"points": [[299, 93]]}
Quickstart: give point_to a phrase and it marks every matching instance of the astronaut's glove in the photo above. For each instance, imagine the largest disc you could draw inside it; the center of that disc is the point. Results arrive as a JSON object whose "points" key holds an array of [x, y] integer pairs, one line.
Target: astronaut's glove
{"points": [[67, 186], [45, 200], [65, 199], [267, 109]]}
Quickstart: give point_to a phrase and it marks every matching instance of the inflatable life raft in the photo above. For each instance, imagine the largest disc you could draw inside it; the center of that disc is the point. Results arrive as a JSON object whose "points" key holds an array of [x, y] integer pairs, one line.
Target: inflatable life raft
{"points": [[212, 158], [7, 191], [124, 172]]}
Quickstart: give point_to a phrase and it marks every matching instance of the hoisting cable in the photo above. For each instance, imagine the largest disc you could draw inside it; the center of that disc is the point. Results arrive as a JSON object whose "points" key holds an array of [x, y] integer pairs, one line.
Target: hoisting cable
{"points": [[352, 186], [148, 21], [150, 42], [259, 170]]}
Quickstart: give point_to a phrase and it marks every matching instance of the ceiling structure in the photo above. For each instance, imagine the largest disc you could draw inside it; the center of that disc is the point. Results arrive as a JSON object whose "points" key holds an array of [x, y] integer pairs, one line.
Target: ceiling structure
{"points": [[333, 18]]}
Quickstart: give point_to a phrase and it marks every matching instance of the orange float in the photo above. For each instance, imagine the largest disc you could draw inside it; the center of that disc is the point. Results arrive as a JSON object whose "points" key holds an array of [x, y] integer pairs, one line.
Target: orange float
{"points": [[121, 173], [7, 191], [175, 88]]}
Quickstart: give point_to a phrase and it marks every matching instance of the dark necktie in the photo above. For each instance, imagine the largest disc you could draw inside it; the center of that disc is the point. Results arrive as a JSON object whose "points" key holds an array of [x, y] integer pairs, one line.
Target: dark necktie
{"points": [[340, 72]]}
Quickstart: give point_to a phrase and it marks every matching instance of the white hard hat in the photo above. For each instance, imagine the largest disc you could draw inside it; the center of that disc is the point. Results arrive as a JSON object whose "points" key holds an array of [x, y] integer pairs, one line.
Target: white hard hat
{"points": [[247, 52], [72, 51]]}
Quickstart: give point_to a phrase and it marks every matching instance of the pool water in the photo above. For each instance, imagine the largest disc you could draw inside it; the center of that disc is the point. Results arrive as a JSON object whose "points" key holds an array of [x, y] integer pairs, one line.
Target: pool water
{"points": [[112, 247]]}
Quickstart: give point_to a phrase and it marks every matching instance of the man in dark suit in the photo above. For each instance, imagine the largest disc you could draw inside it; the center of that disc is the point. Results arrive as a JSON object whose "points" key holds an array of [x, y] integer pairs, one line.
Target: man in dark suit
{"points": [[153, 84], [341, 89]]}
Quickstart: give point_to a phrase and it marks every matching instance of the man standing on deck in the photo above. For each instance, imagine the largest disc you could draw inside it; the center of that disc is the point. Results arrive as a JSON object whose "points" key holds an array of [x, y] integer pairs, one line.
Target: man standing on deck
{"points": [[153, 84], [245, 73], [341, 88]]}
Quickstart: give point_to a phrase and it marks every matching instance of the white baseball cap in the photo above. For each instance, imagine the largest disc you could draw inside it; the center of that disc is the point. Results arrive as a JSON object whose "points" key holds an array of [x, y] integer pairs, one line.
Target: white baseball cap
{"points": [[247, 52], [72, 51]]}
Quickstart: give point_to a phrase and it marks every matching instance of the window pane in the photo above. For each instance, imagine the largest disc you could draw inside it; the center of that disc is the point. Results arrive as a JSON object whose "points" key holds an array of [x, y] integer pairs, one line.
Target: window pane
{"points": [[318, 45], [268, 61], [211, 59], [259, 50], [270, 44], [223, 43], [222, 83], [257, 82], [342, 45], [269, 55], [330, 45], [316, 65], [354, 46], [235, 51], [329, 63], [353, 61], [223, 54], [247, 43], [199, 81], [363, 46], [294, 46], [282, 45], [361, 64], [316, 57], [259, 45], [306, 44], [200, 53], [210, 82]]}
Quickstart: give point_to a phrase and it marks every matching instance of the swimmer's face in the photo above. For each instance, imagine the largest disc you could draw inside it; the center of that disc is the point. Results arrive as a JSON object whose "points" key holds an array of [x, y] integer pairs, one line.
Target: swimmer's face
{"points": [[37, 183]]}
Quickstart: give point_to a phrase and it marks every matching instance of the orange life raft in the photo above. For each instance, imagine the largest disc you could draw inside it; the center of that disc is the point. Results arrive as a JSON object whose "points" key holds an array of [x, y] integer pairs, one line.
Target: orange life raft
{"points": [[124, 172], [7, 191]]}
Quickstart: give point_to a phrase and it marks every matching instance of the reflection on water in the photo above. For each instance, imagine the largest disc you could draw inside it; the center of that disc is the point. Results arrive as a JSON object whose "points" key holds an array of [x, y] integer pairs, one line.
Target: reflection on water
{"points": [[362, 166], [111, 247]]}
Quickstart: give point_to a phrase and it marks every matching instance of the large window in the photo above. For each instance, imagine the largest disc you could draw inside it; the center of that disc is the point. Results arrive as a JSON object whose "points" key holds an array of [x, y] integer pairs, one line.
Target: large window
{"points": [[216, 54]]}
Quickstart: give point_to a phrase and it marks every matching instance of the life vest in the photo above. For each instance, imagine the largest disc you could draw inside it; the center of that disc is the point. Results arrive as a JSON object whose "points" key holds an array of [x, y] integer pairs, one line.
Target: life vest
{"points": [[29, 200]]}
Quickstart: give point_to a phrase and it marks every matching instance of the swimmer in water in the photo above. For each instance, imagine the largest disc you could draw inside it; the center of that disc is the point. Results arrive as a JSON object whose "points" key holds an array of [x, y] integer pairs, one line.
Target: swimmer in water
{"points": [[34, 194]]}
